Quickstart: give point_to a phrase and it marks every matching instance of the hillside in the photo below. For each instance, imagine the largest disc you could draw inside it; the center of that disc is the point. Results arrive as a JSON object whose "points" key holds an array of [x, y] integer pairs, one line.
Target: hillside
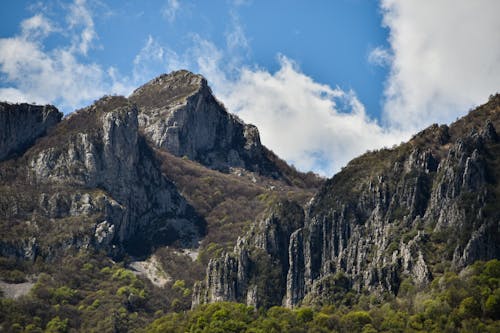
{"points": [[100, 185], [137, 207], [391, 217]]}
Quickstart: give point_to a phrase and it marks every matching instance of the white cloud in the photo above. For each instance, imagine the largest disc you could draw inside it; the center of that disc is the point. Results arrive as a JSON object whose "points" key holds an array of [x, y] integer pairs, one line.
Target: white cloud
{"points": [[171, 9], [32, 73], [46, 77], [302, 121], [446, 59], [37, 26], [380, 57], [80, 16]]}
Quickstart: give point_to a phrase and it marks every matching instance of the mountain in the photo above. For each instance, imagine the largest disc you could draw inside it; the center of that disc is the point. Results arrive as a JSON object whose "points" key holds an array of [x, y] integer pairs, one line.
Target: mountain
{"points": [[92, 181], [394, 216], [131, 211], [179, 113], [105, 176]]}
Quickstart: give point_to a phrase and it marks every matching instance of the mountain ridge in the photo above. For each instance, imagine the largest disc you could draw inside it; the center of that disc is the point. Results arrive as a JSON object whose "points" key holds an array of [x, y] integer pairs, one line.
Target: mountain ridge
{"points": [[382, 219], [105, 154], [168, 181]]}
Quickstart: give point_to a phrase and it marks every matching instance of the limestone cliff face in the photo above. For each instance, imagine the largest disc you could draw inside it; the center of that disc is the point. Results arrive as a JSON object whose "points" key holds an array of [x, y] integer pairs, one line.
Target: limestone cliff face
{"points": [[21, 124], [256, 272], [179, 113], [94, 182], [388, 216]]}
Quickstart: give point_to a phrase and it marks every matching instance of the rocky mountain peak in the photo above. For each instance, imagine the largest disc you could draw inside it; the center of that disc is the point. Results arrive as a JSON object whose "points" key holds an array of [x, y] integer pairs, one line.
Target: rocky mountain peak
{"points": [[92, 181], [168, 89], [178, 113], [96, 177]]}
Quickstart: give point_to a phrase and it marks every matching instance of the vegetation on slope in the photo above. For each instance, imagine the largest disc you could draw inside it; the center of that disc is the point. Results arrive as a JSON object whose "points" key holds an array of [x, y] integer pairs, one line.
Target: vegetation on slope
{"points": [[469, 302], [91, 293], [229, 202], [86, 293]]}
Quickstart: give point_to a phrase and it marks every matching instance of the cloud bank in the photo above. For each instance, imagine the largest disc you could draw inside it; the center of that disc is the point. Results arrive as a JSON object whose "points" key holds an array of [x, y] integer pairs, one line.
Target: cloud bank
{"points": [[445, 59], [311, 125]]}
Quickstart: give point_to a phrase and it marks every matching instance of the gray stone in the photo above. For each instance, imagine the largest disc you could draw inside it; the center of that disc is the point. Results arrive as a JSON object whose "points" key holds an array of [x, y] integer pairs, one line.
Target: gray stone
{"points": [[22, 124]]}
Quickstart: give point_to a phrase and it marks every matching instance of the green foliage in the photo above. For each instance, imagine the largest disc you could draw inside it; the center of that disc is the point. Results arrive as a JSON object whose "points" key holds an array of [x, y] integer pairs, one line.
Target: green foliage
{"points": [[14, 276], [305, 315], [12, 270], [355, 321], [469, 308], [268, 278], [492, 269], [332, 289], [492, 305], [108, 297], [56, 325], [84, 293], [64, 295], [453, 303]]}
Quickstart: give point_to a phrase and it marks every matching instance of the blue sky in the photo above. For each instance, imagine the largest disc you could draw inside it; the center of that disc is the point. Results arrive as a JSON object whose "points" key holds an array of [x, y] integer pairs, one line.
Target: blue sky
{"points": [[324, 81]]}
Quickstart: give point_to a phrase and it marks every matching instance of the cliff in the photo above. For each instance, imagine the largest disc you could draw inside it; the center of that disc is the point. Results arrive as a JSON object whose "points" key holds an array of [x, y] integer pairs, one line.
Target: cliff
{"points": [[92, 182], [179, 113], [22, 124], [103, 177], [393, 215]]}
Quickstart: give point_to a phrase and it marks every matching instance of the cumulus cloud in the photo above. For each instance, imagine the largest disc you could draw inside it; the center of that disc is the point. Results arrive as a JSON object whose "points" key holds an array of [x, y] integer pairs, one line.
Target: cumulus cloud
{"points": [[312, 125], [446, 59], [62, 75], [45, 77]]}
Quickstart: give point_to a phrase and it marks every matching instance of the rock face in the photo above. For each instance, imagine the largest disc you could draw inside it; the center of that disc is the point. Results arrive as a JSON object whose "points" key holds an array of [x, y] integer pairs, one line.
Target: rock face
{"points": [[256, 273], [93, 182], [22, 124], [388, 216], [179, 113]]}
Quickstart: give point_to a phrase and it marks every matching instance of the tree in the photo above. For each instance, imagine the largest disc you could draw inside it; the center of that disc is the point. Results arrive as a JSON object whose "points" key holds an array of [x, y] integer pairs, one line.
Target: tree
{"points": [[56, 325]]}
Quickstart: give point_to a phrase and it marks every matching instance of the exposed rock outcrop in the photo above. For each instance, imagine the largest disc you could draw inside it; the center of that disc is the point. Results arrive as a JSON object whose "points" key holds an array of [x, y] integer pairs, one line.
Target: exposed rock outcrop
{"points": [[256, 272], [388, 216], [179, 113], [95, 180], [22, 124]]}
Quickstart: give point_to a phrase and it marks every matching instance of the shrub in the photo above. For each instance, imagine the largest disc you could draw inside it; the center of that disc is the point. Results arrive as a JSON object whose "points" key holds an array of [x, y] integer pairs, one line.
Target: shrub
{"points": [[354, 321], [305, 315], [56, 325], [492, 305]]}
